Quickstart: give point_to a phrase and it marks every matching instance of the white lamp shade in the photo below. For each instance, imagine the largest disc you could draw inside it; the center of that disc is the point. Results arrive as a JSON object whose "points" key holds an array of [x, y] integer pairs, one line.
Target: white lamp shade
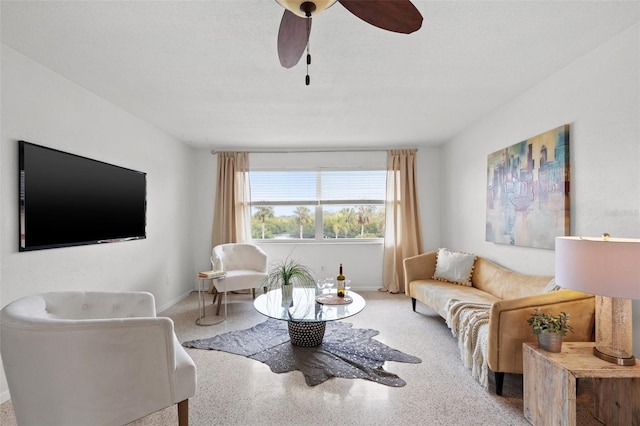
{"points": [[294, 6], [605, 267]]}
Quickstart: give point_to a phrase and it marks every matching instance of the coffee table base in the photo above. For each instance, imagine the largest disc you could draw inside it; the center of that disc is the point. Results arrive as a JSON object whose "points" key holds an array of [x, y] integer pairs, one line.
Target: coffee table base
{"points": [[306, 333]]}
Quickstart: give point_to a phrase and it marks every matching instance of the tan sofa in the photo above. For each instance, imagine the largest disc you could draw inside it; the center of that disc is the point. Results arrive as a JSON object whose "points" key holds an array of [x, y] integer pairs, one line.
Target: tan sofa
{"points": [[513, 297]]}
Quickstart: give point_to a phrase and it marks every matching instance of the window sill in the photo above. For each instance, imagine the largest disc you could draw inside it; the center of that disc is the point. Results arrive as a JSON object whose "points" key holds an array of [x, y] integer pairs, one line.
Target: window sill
{"points": [[328, 241]]}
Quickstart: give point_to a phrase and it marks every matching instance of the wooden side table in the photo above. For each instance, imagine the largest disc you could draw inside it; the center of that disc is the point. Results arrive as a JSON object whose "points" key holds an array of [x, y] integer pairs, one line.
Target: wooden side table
{"points": [[550, 386]]}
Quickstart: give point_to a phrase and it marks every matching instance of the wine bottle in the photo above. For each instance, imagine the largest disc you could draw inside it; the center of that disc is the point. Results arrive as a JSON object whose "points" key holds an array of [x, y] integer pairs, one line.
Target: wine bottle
{"points": [[340, 280]]}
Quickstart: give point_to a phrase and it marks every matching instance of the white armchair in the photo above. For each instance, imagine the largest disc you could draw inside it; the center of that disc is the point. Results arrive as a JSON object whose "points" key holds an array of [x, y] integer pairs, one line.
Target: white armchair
{"points": [[245, 265], [92, 358]]}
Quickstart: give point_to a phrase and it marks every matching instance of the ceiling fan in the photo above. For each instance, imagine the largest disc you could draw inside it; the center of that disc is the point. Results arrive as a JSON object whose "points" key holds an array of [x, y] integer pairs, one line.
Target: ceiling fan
{"points": [[399, 16]]}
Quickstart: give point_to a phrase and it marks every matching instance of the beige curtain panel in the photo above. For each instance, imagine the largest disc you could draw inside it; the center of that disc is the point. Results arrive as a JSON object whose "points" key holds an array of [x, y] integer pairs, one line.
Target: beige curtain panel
{"points": [[403, 233], [232, 211]]}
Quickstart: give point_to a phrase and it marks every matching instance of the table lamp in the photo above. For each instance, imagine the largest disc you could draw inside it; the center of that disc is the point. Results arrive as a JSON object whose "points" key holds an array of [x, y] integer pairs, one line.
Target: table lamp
{"points": [[610, 269]]}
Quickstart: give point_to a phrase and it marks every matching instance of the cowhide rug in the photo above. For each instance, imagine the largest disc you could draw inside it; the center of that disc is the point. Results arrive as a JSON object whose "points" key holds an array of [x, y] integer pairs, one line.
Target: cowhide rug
{"points": [[345, 352]]}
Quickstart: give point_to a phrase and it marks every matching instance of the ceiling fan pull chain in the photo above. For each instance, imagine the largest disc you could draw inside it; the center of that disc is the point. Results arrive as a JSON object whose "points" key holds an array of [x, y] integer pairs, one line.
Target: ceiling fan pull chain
{"points": [[308, 79]]}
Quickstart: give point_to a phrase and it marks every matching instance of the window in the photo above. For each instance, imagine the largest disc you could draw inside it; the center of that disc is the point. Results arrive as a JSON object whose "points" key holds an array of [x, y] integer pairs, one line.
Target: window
{"points": [[317, 205]]}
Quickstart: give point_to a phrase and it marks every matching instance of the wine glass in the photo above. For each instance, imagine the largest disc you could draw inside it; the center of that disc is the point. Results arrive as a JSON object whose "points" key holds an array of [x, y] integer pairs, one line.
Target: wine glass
{"points": [[321, 286], [329, 283], [347, 287], [216, 263]]}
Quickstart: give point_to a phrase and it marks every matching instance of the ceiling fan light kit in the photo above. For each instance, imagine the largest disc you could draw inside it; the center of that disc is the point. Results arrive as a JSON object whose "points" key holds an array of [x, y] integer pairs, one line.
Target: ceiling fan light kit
{"points": [[399, 16], [300, 7]]}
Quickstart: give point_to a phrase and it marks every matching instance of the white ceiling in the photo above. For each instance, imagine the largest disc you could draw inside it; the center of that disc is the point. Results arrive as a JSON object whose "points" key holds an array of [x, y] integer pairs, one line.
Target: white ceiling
{"points": [[207, 72]]}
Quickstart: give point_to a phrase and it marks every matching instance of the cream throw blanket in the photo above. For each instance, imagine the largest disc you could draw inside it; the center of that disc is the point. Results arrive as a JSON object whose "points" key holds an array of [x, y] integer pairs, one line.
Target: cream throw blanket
{"points": [[469, 321]]}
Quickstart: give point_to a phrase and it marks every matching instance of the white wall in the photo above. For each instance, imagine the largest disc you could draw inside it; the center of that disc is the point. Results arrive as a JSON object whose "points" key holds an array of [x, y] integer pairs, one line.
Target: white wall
{"points": [[205, 170], [362, 262], [599, 96], [430, 192], [41, 107]]}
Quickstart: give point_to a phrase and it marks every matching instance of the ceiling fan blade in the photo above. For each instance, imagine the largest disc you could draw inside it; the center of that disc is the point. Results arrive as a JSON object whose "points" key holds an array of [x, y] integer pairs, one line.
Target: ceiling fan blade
{"points": [[399, 16], [292, 38]]}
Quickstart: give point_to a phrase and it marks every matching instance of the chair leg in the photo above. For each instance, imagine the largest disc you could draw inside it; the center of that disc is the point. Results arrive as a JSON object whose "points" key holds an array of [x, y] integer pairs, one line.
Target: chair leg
{"points": [[253, 292], [220, 296], [183, 413]]}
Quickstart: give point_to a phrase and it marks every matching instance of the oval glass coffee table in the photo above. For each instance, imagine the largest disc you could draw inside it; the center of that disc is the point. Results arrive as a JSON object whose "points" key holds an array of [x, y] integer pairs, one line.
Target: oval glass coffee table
{"points": [[306, 318]]}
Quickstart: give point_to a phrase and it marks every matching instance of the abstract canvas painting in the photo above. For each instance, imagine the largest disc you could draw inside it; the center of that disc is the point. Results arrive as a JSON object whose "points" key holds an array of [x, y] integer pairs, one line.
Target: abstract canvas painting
{"points": [[528, 191]]}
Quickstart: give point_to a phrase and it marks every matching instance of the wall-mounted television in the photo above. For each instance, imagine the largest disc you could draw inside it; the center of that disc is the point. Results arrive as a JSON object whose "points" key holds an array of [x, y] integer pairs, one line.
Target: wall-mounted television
{"points": [[69, 200]]}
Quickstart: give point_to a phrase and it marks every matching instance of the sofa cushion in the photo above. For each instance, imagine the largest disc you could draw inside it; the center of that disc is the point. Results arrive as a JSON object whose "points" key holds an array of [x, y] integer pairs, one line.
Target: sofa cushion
{"points": [[454, 266], [506, 284], [240, 279]]}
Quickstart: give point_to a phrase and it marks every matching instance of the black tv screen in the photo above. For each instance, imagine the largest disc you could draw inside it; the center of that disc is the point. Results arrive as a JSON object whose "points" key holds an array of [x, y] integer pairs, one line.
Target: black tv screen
{"points": [[69, 200]]}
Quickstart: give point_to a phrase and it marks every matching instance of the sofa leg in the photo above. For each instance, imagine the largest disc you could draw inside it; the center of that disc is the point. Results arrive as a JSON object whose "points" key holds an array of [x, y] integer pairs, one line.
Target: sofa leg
{"points": [[183, 413], [499, 382], [413, 303]]}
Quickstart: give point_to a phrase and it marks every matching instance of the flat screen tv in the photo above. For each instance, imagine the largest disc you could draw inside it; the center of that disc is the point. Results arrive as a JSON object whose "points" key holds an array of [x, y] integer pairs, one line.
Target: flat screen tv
{"points": [[69, 200]]}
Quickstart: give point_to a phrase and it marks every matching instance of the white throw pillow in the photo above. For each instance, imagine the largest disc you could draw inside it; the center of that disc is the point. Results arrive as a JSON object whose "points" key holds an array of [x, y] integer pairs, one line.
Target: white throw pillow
{"points": [[454, 266], [552, 286]]}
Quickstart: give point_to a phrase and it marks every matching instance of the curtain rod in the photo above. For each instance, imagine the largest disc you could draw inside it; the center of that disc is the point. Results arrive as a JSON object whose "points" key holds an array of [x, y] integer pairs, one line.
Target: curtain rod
{"points": [[310, 151]]}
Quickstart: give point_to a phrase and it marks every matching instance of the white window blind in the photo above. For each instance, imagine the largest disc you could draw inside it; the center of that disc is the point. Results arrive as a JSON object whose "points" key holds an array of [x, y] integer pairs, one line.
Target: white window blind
{"points": [[283, 187], [320, 187], [352, 186]]}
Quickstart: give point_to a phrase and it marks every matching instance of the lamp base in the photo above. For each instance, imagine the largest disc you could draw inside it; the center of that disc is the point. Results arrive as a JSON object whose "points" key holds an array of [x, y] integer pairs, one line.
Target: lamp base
{"points": [[614, 356]]}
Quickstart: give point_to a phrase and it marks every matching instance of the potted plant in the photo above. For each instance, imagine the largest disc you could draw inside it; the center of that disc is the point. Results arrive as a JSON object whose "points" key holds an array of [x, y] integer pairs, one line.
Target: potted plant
{"points": [[285, 274], [550, 329]]}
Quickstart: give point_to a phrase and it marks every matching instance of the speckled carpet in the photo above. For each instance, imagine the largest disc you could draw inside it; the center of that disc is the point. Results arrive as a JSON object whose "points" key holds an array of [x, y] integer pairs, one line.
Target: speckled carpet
{"points": [[238, 391], [345, 352]]}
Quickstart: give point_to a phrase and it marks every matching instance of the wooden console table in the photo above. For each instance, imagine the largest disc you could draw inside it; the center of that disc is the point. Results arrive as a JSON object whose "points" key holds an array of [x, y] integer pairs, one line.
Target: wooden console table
{"points": [[550, 386]]}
